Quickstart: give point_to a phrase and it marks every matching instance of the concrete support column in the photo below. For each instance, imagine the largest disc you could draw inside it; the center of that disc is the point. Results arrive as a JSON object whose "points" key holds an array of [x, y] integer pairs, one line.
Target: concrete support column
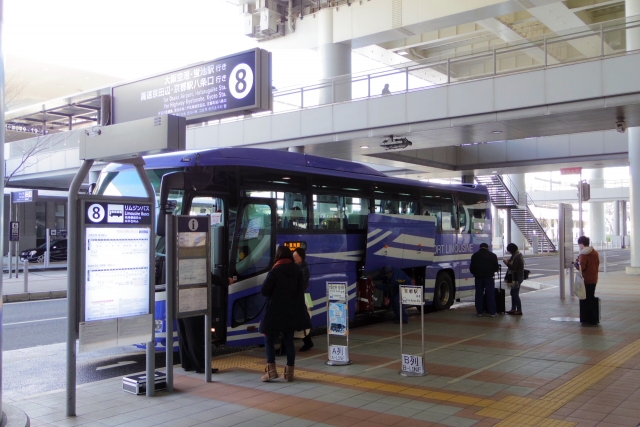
{"points": [[468, 179], [93, 176], [632, 8], [516, 235], [623, 220], [335, 60], [299, 149], [596, 209], [616, 218]]}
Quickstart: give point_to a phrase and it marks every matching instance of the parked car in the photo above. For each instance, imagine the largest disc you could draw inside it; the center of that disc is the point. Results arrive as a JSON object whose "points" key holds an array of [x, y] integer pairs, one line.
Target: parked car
{"points": [[58, 252]]}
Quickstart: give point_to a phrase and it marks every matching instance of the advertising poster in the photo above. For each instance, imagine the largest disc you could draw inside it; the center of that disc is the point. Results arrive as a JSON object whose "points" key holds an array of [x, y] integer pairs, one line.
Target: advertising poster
{"points": [[337, 319]]}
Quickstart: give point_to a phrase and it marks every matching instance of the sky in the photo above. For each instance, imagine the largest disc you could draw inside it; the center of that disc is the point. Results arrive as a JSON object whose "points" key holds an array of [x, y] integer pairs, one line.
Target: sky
{"points": [[138, 38]]}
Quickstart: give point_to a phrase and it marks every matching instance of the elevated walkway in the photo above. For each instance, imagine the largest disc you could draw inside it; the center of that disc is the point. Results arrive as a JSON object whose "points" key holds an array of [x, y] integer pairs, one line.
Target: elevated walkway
{"points": [[548, 112], [506, 371]]}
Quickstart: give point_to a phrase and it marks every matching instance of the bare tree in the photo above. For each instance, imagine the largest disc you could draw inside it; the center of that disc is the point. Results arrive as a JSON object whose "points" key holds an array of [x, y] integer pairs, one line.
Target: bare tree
{"points": [[31, 152]]}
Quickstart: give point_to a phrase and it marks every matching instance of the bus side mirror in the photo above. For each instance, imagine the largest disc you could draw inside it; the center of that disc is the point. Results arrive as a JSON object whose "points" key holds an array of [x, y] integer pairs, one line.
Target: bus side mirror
{"points": [[187, 181]]}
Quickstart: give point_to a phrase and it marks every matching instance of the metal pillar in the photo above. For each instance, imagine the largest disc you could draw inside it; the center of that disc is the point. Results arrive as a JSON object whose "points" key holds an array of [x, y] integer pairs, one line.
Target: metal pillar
{"points": [[616, 218], [72, 283], [597, 231], [169, 268], [2, 173], [151, 345], [623, 220], [507, 224]]}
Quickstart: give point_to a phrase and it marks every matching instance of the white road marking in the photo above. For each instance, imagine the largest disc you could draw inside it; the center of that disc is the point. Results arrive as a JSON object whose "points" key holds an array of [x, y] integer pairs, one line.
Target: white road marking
{"points": [[33, 321], [477, 371], [117, 365]]}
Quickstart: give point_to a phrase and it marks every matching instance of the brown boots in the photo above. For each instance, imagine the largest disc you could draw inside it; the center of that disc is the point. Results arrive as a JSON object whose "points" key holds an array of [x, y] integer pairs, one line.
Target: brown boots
{"points": [[271, 373], [288, 373]]}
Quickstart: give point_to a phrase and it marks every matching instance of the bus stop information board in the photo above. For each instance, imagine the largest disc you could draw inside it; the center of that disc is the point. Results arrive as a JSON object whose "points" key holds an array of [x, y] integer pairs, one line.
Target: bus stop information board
{"points": [[221, 86], [194, 266], [116, 296]]}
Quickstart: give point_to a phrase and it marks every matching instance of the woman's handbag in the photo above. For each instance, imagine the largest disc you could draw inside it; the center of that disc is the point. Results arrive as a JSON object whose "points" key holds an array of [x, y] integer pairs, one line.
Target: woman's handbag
{"points": [[508, 279], [578, 286]]}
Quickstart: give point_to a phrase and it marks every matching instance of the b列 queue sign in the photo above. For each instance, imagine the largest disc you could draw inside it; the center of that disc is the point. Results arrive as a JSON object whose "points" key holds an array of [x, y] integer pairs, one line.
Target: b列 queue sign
{"points": [[224, 87]]}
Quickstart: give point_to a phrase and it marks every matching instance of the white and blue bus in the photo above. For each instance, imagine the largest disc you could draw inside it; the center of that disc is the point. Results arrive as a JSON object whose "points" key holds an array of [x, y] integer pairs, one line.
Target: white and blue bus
{"points": [[351, 220]]}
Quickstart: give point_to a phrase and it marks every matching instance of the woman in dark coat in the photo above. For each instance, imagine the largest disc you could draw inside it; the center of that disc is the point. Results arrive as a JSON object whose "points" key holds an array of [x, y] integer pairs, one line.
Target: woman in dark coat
{"points": [[286, 311], [516, 268]]}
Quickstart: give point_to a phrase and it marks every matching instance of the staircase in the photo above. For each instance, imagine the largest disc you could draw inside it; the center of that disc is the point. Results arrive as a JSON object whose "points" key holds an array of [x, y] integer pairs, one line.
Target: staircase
{"points": [[505, 195]]}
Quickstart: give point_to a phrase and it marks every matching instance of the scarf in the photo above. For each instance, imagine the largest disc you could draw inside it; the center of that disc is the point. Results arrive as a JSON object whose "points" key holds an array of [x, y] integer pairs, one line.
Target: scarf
{"points": [[586, 250], [281, 262]]}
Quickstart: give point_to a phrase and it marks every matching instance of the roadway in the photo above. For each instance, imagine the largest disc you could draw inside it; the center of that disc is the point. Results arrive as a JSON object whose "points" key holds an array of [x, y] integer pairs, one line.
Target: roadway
{"points": [[547, 265]]}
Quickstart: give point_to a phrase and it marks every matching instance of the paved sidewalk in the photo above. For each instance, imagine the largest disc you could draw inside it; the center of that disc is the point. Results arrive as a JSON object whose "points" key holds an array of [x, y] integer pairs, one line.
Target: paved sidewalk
{"points": [[507, 371], [41, 284]]}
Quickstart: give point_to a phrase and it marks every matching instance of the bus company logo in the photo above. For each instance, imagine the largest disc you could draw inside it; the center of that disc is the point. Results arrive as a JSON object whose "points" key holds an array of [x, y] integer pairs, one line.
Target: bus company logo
{"points": [[464, 248]]}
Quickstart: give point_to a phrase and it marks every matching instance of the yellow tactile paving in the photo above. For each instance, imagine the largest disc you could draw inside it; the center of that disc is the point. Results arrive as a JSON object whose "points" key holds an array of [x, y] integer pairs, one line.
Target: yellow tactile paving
{"points": [[524, 411], [511, 410]]}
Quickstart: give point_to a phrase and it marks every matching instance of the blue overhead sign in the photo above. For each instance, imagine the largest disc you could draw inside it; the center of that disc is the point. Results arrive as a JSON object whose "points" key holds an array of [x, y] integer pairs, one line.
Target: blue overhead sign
{"points": [[226, 86], [24, 196]]}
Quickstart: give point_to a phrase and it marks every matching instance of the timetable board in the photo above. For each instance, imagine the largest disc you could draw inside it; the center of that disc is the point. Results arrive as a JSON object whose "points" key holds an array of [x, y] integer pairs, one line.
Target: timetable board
{"points": [[116, 272]]}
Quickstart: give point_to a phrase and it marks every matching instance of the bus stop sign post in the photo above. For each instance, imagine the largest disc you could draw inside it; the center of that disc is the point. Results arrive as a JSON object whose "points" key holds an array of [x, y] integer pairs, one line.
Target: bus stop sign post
{"points": [[192, 291], [412, 366], [125, 143], [337, 323]]}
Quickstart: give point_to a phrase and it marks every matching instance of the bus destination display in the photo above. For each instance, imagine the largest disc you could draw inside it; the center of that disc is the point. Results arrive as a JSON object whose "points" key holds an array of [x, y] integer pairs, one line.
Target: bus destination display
{"points": [[116, 272]]}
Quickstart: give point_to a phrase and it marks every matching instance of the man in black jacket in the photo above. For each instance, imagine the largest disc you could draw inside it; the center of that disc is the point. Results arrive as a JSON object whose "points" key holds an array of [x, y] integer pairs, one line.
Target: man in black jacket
{"points": [[484, 265]]}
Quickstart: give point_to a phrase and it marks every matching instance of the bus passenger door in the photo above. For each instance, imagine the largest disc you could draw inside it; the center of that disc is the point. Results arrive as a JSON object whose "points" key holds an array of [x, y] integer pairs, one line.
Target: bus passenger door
{"points": [[251, 258]]}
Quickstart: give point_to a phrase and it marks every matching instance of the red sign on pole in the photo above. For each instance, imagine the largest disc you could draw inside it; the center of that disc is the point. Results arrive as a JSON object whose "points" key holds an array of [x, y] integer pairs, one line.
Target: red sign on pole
{"points": [[571, 171]]}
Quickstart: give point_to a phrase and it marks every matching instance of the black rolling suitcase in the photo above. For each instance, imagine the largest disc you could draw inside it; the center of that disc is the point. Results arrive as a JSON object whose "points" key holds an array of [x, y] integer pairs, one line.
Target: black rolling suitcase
{"points": [[590, 311], [499, 295]]}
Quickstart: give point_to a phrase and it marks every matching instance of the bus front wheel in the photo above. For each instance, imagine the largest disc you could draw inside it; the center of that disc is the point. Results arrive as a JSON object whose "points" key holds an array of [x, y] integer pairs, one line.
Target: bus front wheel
{"points": [[443, 293]]}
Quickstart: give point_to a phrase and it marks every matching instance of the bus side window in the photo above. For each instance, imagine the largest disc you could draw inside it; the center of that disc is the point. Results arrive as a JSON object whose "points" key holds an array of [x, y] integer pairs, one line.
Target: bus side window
{"points": [[474, 207], [430, 208], [328, 212]]}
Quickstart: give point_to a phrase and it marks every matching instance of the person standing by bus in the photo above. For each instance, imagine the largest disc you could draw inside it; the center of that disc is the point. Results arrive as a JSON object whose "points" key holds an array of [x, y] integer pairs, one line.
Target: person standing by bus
{"points": [[391, 278], [484, 264], [516, 269], [588, 262], [300, 258], [285, 312]]}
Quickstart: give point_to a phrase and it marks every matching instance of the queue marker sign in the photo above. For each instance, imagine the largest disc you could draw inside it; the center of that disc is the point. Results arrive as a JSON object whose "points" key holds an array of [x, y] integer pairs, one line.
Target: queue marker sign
{"points": [[337, 323], [412, 366]]}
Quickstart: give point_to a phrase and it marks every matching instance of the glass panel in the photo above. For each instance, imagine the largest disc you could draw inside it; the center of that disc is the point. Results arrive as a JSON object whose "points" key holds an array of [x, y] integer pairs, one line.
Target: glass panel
{"points": [[41, 220], [254, 240], [473, 213], [441, 206], [247, 308], [291, 208], [357, 211], [328, 212]]}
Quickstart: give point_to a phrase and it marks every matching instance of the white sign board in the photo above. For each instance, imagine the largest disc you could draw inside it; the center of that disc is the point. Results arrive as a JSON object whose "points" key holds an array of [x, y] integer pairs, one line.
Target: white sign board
{"points": [[412, 364], [339, 353], [109, 333], [192, 271], [192, 299], [116, 272], [337, 291], [411, 295]]}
